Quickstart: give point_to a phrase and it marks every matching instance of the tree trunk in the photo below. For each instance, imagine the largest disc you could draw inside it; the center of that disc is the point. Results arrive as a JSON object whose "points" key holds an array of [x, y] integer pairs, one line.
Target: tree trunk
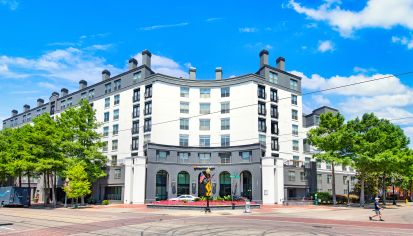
{"points": [[411, 188], [384, 189], [333, 184], [53, 190], [362, 198], [20, 179], [30, 189], [82, 200]]}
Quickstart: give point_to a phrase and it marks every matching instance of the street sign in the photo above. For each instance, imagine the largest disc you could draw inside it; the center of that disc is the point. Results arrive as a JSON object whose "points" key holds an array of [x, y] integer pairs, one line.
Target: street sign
{"points": [[234, 176]]}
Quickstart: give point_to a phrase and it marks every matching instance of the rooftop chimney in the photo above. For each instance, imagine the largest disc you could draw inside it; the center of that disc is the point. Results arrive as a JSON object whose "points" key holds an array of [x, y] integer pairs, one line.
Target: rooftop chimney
{"points": [[64, 92], [26, 108], [192, 73], [146, 58], [132, 64], [82, 84], [40, 102], [105, 74], [218, 73], [281, 63], [14, 113], [263, 58]]}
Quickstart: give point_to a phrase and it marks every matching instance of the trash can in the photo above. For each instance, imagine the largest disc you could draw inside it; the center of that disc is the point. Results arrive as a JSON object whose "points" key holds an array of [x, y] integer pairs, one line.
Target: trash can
{"points": [[247, 206]]}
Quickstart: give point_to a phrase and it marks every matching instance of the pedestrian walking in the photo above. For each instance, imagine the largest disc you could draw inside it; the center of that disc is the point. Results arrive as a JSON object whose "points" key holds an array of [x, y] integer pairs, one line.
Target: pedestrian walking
{"points": [[377, 210]]}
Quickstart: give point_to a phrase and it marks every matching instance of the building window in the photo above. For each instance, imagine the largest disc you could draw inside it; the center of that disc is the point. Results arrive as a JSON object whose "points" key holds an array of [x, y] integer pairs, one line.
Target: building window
{"points": [[62, 107], [69, 102], [225, 92], [106, 117], [262, 127], [183, 140], [114, 145], [344, 167], [135, 143], [296, 161], [184, 123], [184, 108], [148, 91], [318, 164], [184, 92], [307, 162], [273, 77], [107, 102], [295, 129], [116, 85], [204, 108], [136, 95], [108, 88], [274, 144], [147, 125], [246, 155], [105, 131], [83, 96], [319, 179], [274, 127], [148, 108], [105, 146], [294, 114], [114, 160], [273, 95], [302, 176], [116, 100], [261, 91], [294, 99], [204, 157], [328, 165], [225, 140], [204, 140], [115, 130], [262, 139], [225, 157], [136, 111], [317, 120], [291, 175], [116, 114], [146, 139], [261, 109], [295, 145], [225, 124], [204, 124], [91, 94], [117, 174], [274, 111], [162, 155], [137, 77], [205, 92], [183, 156], [329, 179], [135, 127], [293, 84], [224, 107], [344, 179]]}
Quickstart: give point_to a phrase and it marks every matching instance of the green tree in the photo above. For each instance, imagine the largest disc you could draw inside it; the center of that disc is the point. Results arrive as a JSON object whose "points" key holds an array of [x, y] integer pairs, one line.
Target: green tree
{"points": [[78, 184], [333, 143], [6, 139], [378, 147], [81, 140]]}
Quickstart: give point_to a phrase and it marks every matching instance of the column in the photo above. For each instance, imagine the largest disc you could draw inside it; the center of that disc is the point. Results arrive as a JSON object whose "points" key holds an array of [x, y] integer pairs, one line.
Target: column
{"points": [[279, 181], [127, 199], [267, 180], [139, 179]]}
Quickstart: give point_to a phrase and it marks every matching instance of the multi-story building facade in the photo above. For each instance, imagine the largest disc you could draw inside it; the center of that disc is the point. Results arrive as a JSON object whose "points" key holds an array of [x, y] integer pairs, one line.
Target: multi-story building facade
{"points": [[161, 131]]}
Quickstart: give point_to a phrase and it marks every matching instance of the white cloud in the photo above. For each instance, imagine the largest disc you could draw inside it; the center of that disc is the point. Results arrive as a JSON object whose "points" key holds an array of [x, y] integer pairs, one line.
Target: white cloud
{"points": [[11, 4], [325, 46], [69, 64], [165, 65], [155, 27], [100, 47], [47, 85], [321, 100], [259, 45], [213, 19], [247, 30], [403, 41], [375, 14]]}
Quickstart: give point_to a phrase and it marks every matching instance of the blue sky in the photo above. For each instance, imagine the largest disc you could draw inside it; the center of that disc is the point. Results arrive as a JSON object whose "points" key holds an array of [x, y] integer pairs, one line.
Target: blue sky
{"points": [[47, 45]]}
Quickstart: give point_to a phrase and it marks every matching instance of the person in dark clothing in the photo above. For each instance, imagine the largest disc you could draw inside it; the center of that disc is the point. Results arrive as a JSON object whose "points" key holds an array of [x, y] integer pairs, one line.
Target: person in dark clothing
{"points": [[377, 210]]}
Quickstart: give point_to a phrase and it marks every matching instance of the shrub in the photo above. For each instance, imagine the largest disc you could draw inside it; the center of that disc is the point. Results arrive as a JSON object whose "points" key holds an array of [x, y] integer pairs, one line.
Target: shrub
{"points": [[197, 199], [323, 197], [227, 198], [354, 198], [105, 202]]}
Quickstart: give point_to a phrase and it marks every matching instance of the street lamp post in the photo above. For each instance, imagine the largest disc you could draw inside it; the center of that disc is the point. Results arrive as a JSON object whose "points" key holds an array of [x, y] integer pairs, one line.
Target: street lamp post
{"points": [[348, 192], [394, 197]]}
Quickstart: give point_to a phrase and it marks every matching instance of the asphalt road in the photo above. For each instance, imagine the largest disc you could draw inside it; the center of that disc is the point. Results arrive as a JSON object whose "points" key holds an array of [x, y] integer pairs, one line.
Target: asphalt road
{"points": [[141, 221]]}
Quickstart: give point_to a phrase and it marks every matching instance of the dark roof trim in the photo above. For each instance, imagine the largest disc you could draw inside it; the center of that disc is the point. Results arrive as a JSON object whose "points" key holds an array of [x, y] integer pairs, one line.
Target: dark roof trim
{"points": [[278, 70]]}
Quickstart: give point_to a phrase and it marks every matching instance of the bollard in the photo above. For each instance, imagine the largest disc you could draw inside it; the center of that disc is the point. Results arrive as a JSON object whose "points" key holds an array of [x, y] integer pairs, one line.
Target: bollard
{"points": [[247, 207]]}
